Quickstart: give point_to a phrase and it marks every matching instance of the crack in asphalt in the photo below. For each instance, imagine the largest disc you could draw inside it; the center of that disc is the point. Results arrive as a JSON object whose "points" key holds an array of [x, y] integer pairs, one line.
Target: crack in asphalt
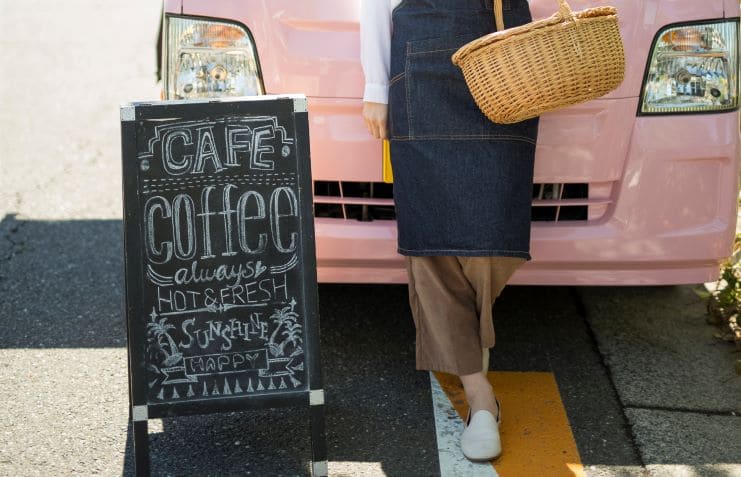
{"points": [[582, 311], [687, 410]]}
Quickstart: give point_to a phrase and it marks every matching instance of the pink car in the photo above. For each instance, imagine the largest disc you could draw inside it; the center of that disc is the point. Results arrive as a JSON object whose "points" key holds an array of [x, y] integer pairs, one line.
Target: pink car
{"points": [[637, 187]]}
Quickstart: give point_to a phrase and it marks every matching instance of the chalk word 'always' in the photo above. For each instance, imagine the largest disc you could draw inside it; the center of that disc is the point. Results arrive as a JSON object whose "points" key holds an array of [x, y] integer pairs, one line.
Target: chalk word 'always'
{"points": [[194, 274]]}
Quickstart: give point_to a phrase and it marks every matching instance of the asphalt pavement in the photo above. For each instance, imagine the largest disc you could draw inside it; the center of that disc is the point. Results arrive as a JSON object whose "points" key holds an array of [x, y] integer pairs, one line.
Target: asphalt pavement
{"points": [[646, 387]]}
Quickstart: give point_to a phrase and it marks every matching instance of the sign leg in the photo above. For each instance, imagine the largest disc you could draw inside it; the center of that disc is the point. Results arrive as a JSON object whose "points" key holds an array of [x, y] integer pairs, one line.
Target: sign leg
{"points": [[318, 442], [141, 448]]}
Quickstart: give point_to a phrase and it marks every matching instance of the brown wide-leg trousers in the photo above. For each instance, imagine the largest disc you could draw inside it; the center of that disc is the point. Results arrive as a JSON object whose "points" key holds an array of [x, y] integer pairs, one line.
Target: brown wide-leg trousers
{"points": [[451, 300]]}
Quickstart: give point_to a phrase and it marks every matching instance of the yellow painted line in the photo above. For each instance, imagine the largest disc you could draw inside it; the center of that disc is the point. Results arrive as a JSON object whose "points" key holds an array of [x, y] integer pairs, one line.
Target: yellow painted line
{"points": [[536, 435]]}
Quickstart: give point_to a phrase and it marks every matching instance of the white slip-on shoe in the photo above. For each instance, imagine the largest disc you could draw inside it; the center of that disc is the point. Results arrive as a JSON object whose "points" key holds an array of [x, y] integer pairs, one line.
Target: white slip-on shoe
{"points": [[480, 439]]}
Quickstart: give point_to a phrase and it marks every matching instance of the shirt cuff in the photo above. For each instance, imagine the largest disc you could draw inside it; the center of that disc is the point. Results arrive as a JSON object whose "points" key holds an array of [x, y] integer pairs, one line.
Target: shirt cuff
{"points": [[376, 93]]}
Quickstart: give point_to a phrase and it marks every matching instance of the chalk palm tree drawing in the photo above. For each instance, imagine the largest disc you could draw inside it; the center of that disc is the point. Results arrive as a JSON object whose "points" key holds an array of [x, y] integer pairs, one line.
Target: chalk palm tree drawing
{"points": [[285, 318], [159, 331], [292, 333]]}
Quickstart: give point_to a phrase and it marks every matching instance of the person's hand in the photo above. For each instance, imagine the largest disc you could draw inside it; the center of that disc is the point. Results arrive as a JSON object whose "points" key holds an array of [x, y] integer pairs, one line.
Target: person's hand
{"points": [[375, 116]]}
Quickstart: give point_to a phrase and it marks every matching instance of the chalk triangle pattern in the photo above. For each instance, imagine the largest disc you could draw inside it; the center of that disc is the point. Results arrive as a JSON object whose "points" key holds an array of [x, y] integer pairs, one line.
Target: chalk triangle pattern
{"points": [[175, 394], [260, 387], [282, 384], [190, 391], [250, 389], [237, 388], [271, 385], [227, 390], [296, 383], [161, 394], [215, 392], [205, 390]]}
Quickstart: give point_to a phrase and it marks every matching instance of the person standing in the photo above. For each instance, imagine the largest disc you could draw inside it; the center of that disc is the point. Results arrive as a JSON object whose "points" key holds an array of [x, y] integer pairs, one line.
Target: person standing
{"points": [[462, 187]]}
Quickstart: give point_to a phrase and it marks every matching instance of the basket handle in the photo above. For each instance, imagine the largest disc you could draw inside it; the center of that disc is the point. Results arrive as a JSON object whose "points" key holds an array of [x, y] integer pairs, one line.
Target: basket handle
{"points": [[498, 15], [564, 11]]}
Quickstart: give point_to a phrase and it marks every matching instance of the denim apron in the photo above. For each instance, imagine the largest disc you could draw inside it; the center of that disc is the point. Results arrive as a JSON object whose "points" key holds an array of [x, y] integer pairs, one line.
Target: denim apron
{"points": [[462, 184]]}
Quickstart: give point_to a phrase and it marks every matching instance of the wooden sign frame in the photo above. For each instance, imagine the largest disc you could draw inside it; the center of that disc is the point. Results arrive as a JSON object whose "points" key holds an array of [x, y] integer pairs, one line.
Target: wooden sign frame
{"points": [[147, 150]]}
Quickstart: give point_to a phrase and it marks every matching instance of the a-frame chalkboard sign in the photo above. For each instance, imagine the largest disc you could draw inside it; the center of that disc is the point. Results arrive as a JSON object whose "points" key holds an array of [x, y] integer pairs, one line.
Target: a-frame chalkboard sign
{"points": [[221, 294]]}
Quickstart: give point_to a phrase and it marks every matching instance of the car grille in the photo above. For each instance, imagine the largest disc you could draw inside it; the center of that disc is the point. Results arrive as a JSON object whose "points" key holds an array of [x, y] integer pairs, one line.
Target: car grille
{"points": [[367, 201]]}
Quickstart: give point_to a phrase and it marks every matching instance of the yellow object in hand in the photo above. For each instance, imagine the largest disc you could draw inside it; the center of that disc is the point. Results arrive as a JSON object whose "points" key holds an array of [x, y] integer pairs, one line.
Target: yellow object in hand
{"points": [[388, 174]]}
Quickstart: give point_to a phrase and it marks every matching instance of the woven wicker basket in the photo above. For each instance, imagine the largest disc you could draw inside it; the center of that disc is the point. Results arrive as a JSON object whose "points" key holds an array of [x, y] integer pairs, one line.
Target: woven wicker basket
{"points": [[521, 72]]}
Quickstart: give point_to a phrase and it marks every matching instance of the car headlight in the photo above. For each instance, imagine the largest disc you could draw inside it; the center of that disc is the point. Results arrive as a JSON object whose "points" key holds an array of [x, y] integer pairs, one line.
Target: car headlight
{"points": [[209, 59], [693, 69]]}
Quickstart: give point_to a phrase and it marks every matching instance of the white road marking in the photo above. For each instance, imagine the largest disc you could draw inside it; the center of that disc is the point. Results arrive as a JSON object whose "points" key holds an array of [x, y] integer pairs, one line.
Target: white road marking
{"points": [[449, 426]]}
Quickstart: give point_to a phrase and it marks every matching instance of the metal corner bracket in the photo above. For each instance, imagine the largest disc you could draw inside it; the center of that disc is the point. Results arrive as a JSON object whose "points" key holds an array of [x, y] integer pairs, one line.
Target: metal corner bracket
{"points": [[139, 413], [128, 112], [316, 397], [300, 105], [319, 468]]}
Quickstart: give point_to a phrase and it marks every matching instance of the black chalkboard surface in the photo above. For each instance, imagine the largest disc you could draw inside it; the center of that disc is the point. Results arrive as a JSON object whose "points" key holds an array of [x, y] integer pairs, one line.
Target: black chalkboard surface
{"points": [[221, 299]]}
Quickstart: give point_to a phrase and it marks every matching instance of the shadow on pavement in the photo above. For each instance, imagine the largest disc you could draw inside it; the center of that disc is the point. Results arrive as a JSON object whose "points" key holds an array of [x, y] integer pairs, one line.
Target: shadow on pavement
{"points": [[61, 284], [62, 287]]}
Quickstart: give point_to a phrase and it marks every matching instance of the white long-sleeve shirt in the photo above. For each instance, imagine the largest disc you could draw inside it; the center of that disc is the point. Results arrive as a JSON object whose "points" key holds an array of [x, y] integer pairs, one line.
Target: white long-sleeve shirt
{"points": [[375, 47]]}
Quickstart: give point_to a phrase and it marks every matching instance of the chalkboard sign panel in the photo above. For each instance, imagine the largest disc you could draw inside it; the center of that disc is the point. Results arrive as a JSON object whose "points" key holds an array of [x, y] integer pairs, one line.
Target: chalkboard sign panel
{"points": [[220, 264]]}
